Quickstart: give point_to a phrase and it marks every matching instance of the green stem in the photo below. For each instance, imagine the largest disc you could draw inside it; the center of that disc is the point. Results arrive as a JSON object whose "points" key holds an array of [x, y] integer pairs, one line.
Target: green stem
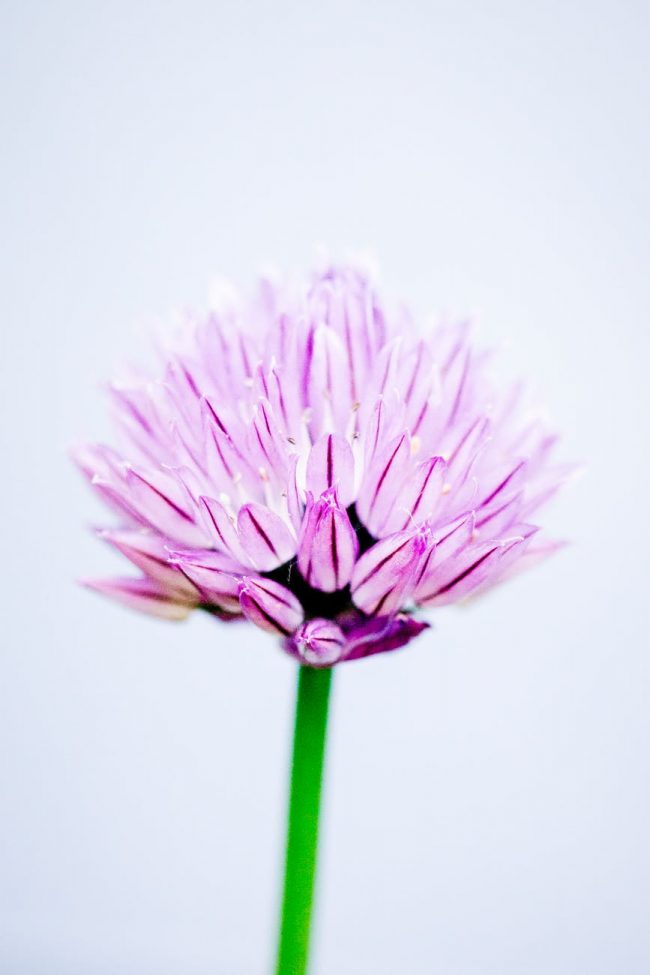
{"points": [[302, 823]]}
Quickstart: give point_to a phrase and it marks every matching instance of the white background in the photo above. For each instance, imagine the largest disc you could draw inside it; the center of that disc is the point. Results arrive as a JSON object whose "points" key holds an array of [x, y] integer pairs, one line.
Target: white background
{"points": [[488, 792]]}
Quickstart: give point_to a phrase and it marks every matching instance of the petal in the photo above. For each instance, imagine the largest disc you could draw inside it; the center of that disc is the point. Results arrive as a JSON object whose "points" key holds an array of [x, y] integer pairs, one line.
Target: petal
{"points": [[326, 382], [452, 537], [227, 466], [344, 301], [383, 379], [270, 606], [265, 537], [97, 461], [331, 465], [148, 552], [500, 486], [157, 498], [464, 448], [294, 504], [213, 574], [418, 497], [533, 555], [497, 519], [464, 572], [381, 483], [114, 495], [145, 595], [381, 634], [284, 397], [328, 545], [385, 575], [266, 442], [386, 421], [221, 529]]}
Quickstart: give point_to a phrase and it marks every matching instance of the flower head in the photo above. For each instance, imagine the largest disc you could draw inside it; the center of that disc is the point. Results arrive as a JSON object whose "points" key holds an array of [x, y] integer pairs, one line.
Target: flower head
{"points": [[310, 463]]}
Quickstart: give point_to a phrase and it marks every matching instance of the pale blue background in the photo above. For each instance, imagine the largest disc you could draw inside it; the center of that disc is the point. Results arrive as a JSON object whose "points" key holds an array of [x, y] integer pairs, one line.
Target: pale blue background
{"points": [[488, 801]]}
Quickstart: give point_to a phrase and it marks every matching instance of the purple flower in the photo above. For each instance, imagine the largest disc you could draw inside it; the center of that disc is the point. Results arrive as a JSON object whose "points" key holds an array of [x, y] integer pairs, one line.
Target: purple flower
{"points": [[310, 463]]}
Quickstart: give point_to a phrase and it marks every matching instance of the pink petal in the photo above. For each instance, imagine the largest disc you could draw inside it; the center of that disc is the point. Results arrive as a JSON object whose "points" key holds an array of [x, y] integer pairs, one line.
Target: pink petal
{"points": [[385, 575], [148, 553], [452, 537], [213, 574], [464, 448], [270, 606], [145, 595], [327, 383], [331, 465], [284, 397], [381, 634], [386, 418], [533, 555], [418, 497], [497, 519], [226, 463], [328, 545], [157, 499], [295, 506], [265, 537], [267, 443], [386, 474], [221, 529], [502, 485], [464, 572]]}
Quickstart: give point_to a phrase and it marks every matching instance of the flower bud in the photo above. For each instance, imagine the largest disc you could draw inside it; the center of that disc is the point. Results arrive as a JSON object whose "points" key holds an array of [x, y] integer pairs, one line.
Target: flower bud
{"points": [[320, 643]]}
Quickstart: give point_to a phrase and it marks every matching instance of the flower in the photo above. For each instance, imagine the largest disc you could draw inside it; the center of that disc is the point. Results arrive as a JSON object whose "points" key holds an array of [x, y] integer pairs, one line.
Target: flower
{"points": [[309, 463]]}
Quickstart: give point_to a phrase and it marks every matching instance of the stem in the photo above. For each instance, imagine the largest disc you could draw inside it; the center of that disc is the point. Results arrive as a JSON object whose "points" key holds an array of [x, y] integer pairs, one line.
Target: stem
{"points": [[302, 823]]}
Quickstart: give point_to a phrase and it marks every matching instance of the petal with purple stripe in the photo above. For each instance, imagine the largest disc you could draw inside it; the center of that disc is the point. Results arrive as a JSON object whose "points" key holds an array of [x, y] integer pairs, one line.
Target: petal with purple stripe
{"points": [[465, 572], [331, 465], [270, 606], [328, 544], [148, 552], [380, 634], [145, 595], [418, 498], [265, 537], [221, 530], [157, 498], [386, 474], [384, 577], [213, 574]]}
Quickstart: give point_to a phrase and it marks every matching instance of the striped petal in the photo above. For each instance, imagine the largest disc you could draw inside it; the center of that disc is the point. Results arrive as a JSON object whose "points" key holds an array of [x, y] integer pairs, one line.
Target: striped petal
{"points": [[328, 545], [221, 529], [419, 496], [384, 577], [213, 574], [270, 606], [149, 553], [145, 595], [331, 465], [157, 498], [368, 637], [386, 474], [265, 537], [465, 572]]}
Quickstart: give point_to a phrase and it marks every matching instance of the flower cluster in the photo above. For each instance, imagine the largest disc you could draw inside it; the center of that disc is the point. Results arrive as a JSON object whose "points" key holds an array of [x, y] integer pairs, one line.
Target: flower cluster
{"points": [[311, 464]]}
